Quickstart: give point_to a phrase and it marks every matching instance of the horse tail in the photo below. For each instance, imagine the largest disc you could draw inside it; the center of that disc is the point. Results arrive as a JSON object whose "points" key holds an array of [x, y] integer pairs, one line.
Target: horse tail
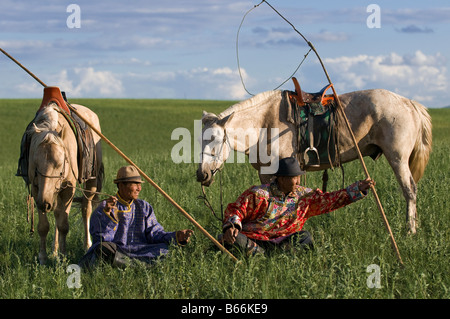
{"points": [[420, 155]]}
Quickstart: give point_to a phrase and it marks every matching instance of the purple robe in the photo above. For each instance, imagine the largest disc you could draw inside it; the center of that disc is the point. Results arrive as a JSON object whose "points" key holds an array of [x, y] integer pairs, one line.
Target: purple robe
{"points": [[137, 233]]}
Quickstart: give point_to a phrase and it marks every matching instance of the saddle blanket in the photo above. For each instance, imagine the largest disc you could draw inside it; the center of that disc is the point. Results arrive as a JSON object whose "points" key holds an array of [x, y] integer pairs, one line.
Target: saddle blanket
{"points": [[87, 163]]}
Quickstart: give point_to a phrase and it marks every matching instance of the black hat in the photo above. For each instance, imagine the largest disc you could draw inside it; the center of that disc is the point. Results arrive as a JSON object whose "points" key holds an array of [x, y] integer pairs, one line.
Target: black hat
{"points": [[289, 166]]}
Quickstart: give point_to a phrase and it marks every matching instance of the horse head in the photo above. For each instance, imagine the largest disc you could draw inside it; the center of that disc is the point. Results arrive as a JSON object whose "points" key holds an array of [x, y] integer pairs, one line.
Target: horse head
{"points": [[215, 147], [48, 162]]}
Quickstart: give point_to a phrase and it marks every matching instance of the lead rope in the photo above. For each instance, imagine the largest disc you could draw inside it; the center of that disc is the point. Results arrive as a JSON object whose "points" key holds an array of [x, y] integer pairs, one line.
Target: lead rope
{"points": [[30, 212], [208, 203]]}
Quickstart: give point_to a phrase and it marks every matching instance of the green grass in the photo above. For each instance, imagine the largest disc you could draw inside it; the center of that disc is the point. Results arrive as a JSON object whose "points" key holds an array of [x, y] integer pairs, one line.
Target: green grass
{"points": [[347, 241]]}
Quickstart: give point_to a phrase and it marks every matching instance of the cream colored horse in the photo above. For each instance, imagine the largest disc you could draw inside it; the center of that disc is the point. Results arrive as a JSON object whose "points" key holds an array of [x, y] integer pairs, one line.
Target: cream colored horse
{"points": [[53, 173], [382, 121]]}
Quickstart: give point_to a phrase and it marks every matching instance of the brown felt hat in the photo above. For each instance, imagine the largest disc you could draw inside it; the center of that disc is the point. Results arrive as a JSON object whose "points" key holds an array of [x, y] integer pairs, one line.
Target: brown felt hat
{"points": [[128, 174]]}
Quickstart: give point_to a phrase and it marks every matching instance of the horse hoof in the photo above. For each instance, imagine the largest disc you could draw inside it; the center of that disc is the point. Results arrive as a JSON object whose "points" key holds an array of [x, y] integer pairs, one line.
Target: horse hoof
{"points": [[43, 259], [411, 230]]}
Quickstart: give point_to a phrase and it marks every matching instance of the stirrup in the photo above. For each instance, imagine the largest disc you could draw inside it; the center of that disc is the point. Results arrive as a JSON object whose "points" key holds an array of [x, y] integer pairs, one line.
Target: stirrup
{"points": [[309, 159]]}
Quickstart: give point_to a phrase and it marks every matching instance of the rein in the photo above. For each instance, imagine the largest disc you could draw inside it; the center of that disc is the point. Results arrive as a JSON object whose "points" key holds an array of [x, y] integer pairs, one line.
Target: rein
{"points": [[208, 204]]}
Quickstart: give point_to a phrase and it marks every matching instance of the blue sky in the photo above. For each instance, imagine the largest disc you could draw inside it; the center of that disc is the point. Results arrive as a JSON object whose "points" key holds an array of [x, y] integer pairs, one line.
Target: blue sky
{"points": [[187, 48]]}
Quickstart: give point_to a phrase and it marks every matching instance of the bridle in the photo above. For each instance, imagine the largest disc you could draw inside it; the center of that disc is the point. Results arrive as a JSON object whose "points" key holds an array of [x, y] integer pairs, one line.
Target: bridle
{"points": [[225, 141], [62, 175], [216, 158]]}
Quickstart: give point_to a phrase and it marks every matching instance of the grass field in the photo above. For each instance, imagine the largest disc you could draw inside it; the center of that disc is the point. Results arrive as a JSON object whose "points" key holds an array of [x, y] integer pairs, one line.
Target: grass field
{"points": [[348, 241]]}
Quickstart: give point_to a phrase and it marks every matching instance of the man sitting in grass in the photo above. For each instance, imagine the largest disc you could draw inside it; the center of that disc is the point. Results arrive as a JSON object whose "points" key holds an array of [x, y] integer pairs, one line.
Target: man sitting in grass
{"points": [[273, 215], [124, 227]]}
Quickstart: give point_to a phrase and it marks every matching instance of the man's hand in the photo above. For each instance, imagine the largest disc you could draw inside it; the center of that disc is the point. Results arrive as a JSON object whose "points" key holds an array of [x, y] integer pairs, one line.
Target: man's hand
{"points": [[110, 204], [184, 235], [229, 236], [364, 185]]}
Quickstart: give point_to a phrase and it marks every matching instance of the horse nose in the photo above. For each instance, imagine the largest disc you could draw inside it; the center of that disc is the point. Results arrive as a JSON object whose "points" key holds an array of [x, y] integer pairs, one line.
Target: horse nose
{"points": [[205, 179], [201, 176]]}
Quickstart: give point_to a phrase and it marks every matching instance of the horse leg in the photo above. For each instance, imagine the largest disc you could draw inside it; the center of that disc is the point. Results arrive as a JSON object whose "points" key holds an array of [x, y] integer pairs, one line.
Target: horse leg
{"points": [[64, 202], [409, 189], [86, 209], [56, 243], [43, 228]]}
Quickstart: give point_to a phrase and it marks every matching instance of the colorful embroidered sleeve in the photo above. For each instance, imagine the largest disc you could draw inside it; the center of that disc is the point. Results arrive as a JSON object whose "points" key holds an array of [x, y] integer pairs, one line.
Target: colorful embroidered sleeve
{"points": [[249, 206], [263, 213], [321, 203]]}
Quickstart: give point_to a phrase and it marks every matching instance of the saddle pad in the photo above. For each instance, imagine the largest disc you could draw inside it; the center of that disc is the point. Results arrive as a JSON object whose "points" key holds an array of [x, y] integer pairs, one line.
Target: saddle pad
{"points": [[87, 163]]}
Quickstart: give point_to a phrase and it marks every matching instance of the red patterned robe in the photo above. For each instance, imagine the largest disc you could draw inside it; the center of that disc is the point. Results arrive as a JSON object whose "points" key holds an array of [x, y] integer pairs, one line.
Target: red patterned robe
{"points": [[265, 213]]}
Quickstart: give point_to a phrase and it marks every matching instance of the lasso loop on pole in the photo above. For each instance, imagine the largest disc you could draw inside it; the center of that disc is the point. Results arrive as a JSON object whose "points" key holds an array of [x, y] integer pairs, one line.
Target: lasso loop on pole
{"points": [[237, 50], [237, 46]]}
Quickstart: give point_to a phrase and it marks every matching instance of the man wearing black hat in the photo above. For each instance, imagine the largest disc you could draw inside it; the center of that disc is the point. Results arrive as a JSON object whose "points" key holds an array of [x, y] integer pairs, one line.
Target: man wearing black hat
{"points": [[274, 214], [124, 226]]}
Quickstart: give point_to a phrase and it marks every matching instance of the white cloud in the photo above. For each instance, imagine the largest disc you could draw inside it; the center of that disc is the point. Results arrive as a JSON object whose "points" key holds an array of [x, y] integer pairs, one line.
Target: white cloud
{"points": [[218, 83], [417, 76], [87, 82], [204, 82], [230, 82], [76, 82]]}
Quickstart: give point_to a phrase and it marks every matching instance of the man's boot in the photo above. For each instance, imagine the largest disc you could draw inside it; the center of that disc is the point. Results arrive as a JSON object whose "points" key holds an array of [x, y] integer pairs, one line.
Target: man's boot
{"points": [[245, 244], [121, 260]]}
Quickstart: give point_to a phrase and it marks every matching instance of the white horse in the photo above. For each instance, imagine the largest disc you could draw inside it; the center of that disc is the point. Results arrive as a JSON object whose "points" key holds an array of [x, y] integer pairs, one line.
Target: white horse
{"points": [[53, 174], [382, 122]]}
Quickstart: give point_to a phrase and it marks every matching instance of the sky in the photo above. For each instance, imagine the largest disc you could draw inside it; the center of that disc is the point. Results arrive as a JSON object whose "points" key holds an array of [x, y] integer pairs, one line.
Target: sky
{"points": [[187, 49]]}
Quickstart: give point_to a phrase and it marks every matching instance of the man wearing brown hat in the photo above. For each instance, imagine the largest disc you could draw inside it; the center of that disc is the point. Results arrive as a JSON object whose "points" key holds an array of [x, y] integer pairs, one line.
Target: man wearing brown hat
{"points": [[273, 214], [124, 227]]}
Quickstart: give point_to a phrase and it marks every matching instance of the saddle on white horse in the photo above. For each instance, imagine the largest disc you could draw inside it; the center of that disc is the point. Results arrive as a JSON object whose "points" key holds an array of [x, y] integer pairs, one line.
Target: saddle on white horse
{"points": [[314, 115]]}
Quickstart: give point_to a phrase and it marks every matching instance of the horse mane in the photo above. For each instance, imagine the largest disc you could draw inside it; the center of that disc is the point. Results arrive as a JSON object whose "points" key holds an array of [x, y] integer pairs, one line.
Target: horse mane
{"points": [[255, 101], [44, 127]]}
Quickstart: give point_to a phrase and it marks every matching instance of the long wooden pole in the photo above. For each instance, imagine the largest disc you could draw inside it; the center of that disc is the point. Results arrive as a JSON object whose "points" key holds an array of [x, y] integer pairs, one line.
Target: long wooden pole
{"points": [[355, 142], [361, 159], [23, 68], [159, 189], [126, 158]]}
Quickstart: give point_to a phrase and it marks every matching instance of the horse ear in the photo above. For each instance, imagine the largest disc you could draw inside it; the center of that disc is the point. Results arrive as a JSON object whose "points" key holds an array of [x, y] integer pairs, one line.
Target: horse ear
{"points": [[208, 117], [224, 121], [36, 129], [61, 133]]}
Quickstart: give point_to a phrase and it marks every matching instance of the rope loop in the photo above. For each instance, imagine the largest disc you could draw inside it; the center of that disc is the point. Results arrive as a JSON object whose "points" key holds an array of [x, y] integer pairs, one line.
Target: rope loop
{"points": [[237, 48]]}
